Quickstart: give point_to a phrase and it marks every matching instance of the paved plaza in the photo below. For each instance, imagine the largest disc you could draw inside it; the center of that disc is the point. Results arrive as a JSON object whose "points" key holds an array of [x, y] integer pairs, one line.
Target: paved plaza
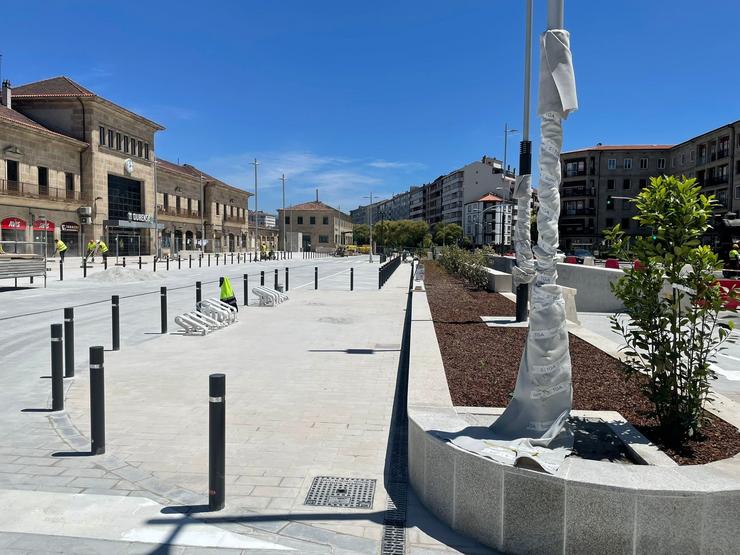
{"points": [[310, 392]]}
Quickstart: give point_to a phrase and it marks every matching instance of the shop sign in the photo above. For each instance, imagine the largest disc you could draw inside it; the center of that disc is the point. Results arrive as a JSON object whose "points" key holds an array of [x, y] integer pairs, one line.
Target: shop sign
{"points": [[16, 224], [135, 217], [43, 225], [70, 226]]}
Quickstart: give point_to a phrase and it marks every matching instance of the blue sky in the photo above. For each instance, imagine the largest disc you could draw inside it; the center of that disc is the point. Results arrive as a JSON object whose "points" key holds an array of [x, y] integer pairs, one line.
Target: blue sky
{"points": [[353, 97]]}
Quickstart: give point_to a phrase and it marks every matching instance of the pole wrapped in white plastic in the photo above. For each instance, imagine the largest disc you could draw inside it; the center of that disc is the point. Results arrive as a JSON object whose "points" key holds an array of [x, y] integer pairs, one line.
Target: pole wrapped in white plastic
{"points": [[524, 271], [533, 425]]}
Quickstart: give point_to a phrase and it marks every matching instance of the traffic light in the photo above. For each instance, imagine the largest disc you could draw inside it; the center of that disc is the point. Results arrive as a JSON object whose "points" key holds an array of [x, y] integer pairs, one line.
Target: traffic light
{"points": [[610, 203]]}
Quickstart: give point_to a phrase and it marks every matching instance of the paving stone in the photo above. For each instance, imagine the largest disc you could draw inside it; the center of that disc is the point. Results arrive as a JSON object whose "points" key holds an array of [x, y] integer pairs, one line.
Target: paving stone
{"points": [[97, 483]]}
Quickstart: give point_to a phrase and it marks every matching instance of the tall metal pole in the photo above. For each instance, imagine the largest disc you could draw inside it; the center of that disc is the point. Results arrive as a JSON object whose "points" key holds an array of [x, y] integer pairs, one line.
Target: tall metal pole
{"points": [[156, 189], [555, 11], [202, 217], [506, 144], [282, 178], [525, 149], [256, 209], [370, 223]]}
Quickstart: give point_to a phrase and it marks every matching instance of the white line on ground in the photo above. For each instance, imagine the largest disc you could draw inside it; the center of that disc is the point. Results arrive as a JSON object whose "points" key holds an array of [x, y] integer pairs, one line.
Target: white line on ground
{"points": [[320, 278]]}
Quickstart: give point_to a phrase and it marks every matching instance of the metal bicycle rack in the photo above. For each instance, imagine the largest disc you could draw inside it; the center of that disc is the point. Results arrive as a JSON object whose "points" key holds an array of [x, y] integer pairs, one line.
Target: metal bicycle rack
{"points": [[211, 315], [269, 297]]}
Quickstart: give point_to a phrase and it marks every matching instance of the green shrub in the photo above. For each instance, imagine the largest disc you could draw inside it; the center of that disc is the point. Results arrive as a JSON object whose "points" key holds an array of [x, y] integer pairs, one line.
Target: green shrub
{"points": [[673, 299], [470, 266]]}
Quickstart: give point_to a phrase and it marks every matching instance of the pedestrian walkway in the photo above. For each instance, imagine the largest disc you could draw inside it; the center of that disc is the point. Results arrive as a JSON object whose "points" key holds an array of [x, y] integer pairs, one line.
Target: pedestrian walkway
{"points": [[310, 390]]}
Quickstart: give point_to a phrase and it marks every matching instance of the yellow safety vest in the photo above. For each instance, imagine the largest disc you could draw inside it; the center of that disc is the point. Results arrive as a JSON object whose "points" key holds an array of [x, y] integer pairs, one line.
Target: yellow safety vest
{"points": [[103, 247], [91, 246], [226, 291], [734, 254], [61, 247]]}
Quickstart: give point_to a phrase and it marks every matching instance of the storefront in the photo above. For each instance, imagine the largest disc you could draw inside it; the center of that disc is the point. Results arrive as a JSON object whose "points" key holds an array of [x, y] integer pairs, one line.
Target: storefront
{"points": [[12, 232], [69, 233], [43, 237]]}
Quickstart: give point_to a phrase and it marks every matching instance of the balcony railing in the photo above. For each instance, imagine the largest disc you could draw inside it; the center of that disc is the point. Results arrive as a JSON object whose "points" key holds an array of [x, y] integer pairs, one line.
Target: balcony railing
{"points": [[577, 212], [578, 192], [574, 173], [723, 154], [178, 212], [33, 190], [716, 180], [235, 219]]}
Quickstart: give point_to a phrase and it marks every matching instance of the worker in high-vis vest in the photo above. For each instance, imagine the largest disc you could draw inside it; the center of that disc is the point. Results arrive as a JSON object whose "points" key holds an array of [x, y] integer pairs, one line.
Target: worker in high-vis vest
{"points": [[102, 248], [61, 248], [227, 293], [91, 250]]}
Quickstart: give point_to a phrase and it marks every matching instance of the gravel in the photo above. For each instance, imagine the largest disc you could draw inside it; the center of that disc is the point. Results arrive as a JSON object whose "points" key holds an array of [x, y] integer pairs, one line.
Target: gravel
{"points": [[119, 274], [481, 364]]}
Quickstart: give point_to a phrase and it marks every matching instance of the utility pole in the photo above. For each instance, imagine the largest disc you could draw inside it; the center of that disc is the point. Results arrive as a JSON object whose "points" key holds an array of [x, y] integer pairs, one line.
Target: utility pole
{"points": [[525, 150], [370, 223], [285, 248], [256, 208], [156, 193], [202, 217]]}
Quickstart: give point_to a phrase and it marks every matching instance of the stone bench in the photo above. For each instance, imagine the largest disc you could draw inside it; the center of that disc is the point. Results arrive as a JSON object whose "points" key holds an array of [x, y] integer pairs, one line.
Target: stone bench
{"points": [[498, 281]]}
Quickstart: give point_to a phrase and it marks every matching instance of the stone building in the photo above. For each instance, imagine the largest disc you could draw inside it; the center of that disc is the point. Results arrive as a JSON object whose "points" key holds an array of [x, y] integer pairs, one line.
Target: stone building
{"points": [[323, 227], [78, 166]]}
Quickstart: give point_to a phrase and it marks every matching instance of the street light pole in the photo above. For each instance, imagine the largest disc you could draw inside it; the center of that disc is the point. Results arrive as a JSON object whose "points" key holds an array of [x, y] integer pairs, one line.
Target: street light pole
{"points": [[283, 222], [256, 208], [506, 142], [370, 223], [525, 150]]}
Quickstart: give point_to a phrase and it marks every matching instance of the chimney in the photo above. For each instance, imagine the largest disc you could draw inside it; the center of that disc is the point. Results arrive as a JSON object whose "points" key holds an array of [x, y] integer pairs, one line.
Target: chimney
{"points": [[6, 94], [317, 195]]}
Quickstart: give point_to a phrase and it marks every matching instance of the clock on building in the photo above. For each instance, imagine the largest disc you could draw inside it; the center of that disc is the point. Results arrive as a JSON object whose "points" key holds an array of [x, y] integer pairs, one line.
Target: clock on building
{"points": [[128, 166]]}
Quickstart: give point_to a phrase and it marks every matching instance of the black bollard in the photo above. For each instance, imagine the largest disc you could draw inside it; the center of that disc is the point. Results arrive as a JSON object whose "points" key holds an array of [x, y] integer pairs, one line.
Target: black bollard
{"points": [[217, 257], [276, 279], [105, 263], [190, 261], [246, 290], [69, 342], [124, 261], [351, 279], [155, 263], [97, 401], [116, 322], [167, 267], [179, 262], [84, 267], [163, 308], [197, 294], [315, 277], [61, 270], [232, 257], [262, 278], [216, 441], [57, 368], [140, 263], [200, 260], [250, 256], [287, 277], [209, 259]]}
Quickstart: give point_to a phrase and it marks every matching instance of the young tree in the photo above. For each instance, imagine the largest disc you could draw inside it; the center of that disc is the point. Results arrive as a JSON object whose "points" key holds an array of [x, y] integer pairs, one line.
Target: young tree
{"points": [[672, 299], [361, 234]]}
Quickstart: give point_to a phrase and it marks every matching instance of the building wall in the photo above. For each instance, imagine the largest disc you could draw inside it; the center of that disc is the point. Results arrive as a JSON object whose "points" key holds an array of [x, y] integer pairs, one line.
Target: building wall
{"points": [[337, 230]]}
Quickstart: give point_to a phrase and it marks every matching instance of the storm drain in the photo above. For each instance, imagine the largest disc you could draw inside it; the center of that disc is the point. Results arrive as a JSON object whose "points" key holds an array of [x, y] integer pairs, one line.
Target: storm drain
{"points": [[335, 491]]}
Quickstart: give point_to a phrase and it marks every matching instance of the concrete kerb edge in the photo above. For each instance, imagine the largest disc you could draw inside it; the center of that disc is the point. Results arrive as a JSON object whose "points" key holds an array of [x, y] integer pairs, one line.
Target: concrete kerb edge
{"points": [[579, 495]]}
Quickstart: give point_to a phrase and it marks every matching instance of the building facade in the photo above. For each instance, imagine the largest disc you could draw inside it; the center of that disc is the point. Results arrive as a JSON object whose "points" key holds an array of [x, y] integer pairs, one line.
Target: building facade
{"points": [[76, 166], [263, 219], [322, 227], [598, 182], [489, 221]]}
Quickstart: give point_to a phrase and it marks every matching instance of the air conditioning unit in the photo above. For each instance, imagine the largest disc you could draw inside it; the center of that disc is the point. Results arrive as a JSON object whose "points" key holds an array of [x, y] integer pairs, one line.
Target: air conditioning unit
{"points": [[85, 210], [85, 219]]}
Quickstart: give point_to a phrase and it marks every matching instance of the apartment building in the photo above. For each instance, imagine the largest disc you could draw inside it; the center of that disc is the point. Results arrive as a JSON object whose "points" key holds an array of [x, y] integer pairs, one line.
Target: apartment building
{"points": [[599, 181], [76, 166], [323, 227], [489, 221], [262, 219]]}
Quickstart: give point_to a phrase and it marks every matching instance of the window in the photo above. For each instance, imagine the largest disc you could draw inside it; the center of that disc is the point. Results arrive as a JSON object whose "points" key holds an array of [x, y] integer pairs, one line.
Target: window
{"points": [[683, 159], [628, 163], [110, 138], [287, 220], [325, 220], [643, 163], [737, 192], [43, 180], [611, 164], [118, 141], [190, 205], [625, 223], [323, 238], [125, 143], [101, 135], [643, 183], [610, 184], [300, 220], [69, 185], [692, 155], [626, 183], [722, 197], [661, 163], [140, 148], [146, 151], [737, 166], [312, 220], [218, 208], [165, 200]]}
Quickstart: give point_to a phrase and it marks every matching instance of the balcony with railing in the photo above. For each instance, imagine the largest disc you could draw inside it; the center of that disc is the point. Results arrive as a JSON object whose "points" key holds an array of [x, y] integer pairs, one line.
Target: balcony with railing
{"points": [[723, 153], [574, 173], [41, 192], [578, 192], [178, 212], [228, 218], [715, 180]]}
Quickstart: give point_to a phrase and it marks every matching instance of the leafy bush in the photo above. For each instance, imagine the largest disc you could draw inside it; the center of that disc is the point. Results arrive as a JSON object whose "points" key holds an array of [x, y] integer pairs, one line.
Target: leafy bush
{"points": [[673, 300], [470, 266]]}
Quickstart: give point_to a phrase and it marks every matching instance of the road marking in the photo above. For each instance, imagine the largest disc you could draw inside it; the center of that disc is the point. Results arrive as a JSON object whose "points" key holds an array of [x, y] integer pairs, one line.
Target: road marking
{"points": [[325, 277]]}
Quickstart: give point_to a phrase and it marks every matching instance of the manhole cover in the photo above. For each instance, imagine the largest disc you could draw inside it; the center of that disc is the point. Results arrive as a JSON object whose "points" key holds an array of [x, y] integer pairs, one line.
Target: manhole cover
{"points": [[334, 491]]}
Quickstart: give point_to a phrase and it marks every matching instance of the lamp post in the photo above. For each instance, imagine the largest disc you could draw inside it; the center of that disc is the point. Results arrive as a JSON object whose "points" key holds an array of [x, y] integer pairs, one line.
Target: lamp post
{"points": [[507, 132], [370, 223], [282, 178], [256, 208]]}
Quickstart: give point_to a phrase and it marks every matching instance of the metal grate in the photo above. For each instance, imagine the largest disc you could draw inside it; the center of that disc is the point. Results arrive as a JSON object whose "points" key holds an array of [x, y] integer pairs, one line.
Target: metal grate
{"points": [[335, 491]]}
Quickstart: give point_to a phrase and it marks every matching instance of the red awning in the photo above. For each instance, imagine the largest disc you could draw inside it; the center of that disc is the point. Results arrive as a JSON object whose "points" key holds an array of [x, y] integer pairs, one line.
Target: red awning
{"points": [[15, 224], [43, 225]]}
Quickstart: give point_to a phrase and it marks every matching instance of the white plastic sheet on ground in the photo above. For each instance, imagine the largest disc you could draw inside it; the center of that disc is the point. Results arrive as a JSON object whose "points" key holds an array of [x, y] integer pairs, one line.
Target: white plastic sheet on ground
{"points": [[533, 426]]}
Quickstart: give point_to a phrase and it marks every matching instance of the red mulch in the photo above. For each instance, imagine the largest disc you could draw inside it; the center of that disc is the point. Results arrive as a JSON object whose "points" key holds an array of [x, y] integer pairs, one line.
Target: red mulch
{"points": [[481, 364]]}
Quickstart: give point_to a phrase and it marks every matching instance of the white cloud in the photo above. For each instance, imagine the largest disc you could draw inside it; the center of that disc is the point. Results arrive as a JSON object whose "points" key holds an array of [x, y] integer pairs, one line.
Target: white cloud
{"points": [[389, 165]]}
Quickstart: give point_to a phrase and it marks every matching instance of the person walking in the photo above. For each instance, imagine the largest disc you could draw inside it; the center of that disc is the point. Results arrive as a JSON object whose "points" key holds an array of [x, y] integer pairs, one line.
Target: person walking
{"points": [[61, 248], [227, 293], [91, 250], [102, 248]]}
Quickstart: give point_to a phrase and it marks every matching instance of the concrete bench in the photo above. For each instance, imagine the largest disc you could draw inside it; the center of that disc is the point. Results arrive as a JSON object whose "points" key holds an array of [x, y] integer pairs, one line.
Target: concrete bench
{"points": [[498, 281]]}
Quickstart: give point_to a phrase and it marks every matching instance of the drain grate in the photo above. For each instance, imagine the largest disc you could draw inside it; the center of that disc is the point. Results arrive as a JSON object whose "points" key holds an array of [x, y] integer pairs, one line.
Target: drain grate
{"points": [[335, 491]]}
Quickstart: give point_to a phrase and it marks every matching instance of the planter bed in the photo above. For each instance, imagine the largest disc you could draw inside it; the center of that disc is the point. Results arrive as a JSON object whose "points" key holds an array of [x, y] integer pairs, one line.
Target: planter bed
{"points": [[481, 365]]}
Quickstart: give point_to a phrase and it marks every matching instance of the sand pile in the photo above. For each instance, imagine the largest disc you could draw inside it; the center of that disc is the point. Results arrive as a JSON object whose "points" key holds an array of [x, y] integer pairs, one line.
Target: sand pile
{"points": [[119, 274]]}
